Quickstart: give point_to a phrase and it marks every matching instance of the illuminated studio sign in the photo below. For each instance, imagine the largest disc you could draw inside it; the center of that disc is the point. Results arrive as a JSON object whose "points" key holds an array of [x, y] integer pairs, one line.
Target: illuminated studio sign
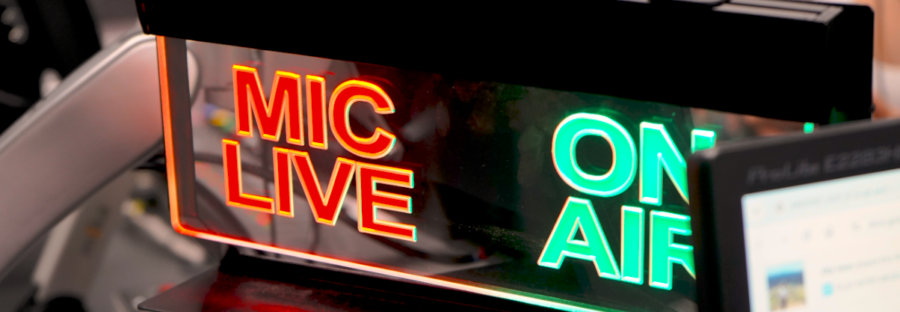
{"points": [[657, 155], [283, 110], [560, 199]]}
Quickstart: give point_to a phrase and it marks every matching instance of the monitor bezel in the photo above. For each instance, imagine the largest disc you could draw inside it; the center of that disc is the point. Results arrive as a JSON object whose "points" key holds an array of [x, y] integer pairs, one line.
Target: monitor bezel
{"points": [[718, 181]]}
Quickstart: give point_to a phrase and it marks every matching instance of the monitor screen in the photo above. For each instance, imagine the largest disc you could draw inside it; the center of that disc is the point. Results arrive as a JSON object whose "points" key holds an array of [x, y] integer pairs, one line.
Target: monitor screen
{"points": [[825, 246], [563, 199]]}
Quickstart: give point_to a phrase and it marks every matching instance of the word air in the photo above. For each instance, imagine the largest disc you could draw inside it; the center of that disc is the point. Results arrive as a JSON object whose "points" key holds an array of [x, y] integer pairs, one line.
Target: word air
{"points": [[656, 156]]}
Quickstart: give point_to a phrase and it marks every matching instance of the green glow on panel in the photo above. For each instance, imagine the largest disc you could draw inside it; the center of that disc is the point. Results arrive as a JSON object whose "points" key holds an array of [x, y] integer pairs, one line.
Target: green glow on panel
{"points": [[658, 151], [578, 216], [632, 244], [809, 127], [664, 252], [620, 174], [702, 139]]}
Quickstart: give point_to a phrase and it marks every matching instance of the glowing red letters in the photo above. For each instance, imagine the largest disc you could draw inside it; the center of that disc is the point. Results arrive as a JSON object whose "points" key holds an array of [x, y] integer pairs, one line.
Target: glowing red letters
{"points": [[284, 106]]}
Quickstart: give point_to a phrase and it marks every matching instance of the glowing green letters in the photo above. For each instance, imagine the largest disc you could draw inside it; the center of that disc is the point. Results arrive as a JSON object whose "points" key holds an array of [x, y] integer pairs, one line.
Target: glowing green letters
{"points": [[702, 139], [808, 127], [632, 244], [621, 172], [664, 252], [578, 216], [658, 155]]}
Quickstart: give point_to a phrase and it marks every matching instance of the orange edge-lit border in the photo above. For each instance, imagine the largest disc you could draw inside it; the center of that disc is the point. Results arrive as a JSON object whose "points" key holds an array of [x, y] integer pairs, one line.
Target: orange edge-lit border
{"points": [[494, 291]]}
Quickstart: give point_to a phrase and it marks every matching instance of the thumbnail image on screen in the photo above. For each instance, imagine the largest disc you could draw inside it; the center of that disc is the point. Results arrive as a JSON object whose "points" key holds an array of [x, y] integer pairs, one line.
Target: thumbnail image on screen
{"points": [[825, 246]]}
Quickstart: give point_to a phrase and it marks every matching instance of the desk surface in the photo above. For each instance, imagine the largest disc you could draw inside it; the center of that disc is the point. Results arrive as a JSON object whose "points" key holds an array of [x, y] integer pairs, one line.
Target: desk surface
{"points": [[244, 283]]}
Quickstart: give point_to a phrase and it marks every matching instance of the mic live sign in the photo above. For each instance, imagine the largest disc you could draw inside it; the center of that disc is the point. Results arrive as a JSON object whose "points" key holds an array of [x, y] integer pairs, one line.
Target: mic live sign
{"points": [[560, 199]]}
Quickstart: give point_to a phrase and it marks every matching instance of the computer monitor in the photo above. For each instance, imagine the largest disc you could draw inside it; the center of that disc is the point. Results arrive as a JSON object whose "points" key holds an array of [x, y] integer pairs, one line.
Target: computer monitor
{"points": [[800, 223]]}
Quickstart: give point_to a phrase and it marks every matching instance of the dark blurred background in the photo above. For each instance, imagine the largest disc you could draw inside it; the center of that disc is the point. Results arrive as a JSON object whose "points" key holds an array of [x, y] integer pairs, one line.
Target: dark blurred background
{"points": [[43, 41]]}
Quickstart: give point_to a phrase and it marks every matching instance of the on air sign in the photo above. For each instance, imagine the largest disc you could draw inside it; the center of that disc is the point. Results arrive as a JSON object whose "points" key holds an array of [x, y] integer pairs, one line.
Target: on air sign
{"points": [[652, 157], [656, 157], [470, 185]]}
